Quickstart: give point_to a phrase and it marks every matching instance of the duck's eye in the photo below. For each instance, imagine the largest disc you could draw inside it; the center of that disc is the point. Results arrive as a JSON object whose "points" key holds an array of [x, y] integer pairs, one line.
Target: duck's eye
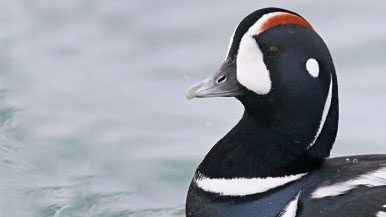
{"points": [[272, 51]]}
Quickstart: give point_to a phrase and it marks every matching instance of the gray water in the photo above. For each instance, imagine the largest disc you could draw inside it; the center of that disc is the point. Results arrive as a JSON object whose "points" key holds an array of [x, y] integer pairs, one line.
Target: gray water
{"points": [[93, 119]]}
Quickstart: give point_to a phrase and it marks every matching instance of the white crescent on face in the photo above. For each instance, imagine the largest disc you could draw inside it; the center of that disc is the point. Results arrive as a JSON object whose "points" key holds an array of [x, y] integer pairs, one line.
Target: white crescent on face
{"points": [[251, 70]]}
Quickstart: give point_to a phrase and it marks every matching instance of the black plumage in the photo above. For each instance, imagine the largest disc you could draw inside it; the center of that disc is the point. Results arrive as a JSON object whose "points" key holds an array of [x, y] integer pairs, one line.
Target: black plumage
{"points": [[277, 135]]}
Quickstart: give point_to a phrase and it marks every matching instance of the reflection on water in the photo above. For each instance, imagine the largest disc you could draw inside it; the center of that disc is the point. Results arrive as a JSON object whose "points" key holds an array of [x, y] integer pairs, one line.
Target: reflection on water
{"points": [[101, 125]]}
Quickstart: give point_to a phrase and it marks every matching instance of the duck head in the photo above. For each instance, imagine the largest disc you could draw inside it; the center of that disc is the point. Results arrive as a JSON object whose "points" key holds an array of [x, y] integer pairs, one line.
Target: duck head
{"points": [[280, 69]]}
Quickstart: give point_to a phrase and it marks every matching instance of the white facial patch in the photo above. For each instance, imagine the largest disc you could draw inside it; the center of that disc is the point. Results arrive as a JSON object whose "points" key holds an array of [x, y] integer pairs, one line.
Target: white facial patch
{"points": [[242, 186], [251, 71], [371, 179], [313, 67], [326, 109]]}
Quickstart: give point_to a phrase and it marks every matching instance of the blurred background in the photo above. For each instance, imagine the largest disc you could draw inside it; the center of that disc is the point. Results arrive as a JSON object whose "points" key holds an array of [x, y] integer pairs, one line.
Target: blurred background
{"points": [[93, 118]]}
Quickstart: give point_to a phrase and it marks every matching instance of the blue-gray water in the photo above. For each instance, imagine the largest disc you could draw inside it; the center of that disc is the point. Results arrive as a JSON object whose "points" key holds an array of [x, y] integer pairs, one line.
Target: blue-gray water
{"points": [[95, 123]]}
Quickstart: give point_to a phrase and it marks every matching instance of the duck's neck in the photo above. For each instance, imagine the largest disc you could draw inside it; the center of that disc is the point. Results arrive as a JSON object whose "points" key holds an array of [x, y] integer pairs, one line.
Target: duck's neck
{"points": [[253, 149]]}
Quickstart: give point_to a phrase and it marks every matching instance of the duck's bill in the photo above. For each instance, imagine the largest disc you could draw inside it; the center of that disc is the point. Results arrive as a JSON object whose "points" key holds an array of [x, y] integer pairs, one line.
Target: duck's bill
{"points": [[222, 84]]}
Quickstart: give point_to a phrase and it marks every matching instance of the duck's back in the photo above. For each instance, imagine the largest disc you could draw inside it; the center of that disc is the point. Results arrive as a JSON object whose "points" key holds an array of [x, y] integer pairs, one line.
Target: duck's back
{"points": [[346, 186]]}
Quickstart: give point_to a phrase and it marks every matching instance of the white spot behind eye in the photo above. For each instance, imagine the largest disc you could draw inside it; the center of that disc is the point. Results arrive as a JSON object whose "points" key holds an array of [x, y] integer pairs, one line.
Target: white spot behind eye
{"points": [[313, 67]]}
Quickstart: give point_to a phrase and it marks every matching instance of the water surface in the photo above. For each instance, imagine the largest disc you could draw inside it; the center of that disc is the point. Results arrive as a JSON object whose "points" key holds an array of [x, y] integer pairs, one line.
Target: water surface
{"points": [[95, 123]]}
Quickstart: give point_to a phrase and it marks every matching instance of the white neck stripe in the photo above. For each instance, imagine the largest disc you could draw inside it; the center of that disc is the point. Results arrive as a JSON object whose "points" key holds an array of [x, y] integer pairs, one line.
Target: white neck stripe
{"points": [[242, 186], [326, 109]]}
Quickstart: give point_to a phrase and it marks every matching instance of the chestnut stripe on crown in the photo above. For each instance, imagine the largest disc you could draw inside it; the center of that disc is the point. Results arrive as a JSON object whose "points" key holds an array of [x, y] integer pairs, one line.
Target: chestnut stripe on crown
{"points": [[283, 18]]}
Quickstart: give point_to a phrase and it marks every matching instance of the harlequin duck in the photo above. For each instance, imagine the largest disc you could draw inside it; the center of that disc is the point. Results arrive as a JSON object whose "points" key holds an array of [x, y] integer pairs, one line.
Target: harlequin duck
{"points": [[274, 162]]}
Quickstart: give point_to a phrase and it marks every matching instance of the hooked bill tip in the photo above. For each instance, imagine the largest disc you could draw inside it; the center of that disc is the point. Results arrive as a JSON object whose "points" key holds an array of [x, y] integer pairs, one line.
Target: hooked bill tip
{"points": [[190, 94], [193, 91]]}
